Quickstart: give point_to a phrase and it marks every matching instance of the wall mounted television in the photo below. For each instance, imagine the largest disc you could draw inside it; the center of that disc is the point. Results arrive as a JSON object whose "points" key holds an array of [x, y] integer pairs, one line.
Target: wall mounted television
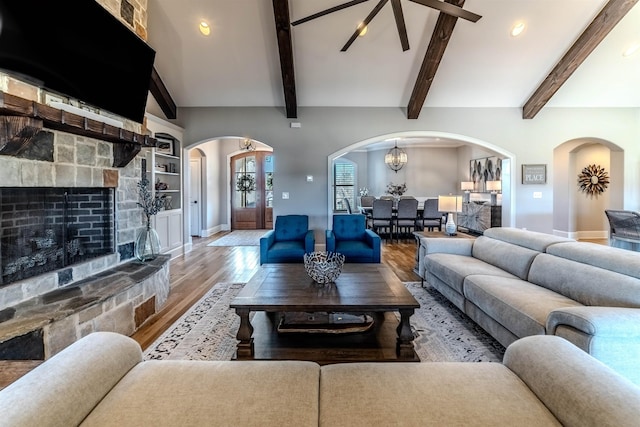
{"points": [[78, 49]]}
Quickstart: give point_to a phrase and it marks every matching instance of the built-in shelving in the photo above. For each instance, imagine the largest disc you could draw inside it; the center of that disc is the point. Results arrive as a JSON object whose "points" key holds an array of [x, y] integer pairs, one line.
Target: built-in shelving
{"points": [[164, 172]]}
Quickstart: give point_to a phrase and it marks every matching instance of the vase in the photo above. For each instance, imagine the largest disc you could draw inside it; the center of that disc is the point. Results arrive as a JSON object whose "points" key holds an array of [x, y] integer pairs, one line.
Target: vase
{"points": [[147, 246]]}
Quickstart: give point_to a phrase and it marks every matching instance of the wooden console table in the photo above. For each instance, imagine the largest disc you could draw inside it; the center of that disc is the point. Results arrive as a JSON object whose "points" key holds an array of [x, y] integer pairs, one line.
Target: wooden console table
{"points": [[476, 217]]}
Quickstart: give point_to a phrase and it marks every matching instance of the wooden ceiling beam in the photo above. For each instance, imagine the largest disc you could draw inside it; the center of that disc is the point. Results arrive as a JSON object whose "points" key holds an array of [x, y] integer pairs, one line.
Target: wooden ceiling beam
{"points": [[162, 96], [432, 58], [601, 25], [285, 48]]}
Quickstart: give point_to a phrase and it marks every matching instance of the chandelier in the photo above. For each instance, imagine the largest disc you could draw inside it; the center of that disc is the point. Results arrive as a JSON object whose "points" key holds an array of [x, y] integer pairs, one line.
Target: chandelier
{"points": [[247, 144], [395, 158]]}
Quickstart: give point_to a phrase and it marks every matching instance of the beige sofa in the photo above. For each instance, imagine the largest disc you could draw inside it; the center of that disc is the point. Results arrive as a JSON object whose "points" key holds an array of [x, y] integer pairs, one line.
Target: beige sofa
{"points": [[102, 380], [516, 283]]}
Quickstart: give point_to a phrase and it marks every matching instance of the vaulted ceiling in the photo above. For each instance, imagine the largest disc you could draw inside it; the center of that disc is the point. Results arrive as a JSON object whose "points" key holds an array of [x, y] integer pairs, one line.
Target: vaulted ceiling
{"points": [[570, 54]]}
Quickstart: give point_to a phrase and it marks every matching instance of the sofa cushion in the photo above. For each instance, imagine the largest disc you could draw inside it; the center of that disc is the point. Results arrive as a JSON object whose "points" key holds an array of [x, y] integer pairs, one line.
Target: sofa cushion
{"points": [[527, 239], [419, 394], [584, 283], [578, 389], [354, 249], [613, 259], [209, 393], [509, 257], [291, 249], [349, 227], [519, 306], [291, 227], [64, 389], [452, 269]]}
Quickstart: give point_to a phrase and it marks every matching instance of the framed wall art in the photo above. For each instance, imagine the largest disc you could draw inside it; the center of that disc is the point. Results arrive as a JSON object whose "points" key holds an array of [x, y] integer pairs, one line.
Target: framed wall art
{"points": [[534, 174], [165, 146], [483, 170]]}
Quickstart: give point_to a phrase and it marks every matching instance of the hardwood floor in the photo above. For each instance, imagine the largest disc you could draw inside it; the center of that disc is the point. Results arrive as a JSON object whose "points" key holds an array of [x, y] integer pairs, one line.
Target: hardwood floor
{"points": [[193, 274]]}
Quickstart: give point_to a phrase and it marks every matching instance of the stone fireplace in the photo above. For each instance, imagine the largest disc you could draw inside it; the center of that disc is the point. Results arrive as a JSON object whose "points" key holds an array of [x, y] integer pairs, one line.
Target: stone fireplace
{"points": [[68, 222], [69, 218]]}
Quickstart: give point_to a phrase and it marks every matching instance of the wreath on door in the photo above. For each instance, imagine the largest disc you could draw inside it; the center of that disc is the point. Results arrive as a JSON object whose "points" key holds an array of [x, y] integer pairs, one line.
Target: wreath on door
{"points": [[593, 180], [246, 183]]}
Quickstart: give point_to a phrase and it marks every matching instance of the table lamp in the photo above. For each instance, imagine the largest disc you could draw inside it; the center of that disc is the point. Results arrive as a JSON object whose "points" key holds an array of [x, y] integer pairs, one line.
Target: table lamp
{"points": [[494, 187], [467, 187], [450, 204]]}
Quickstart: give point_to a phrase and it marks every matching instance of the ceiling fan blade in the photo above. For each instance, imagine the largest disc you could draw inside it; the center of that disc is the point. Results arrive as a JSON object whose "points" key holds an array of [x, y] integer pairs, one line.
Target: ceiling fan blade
{"points": [[368, 19], [328, 11], [449, 9], [402, 28]]}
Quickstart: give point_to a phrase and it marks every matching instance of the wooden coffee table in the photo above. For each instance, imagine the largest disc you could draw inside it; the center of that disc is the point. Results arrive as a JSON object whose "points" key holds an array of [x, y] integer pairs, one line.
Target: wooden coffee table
{"points": [[361, 289]]}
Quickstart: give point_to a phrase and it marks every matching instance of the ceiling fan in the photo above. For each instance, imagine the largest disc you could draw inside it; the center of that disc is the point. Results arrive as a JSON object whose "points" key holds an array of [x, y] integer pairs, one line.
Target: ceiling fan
{"points": [[443, 7]]}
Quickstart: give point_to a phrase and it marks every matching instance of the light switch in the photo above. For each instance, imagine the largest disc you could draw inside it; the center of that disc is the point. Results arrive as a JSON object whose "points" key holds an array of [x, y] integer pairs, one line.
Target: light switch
{"points": [[285, 194], [537, 194], [309, 178]]}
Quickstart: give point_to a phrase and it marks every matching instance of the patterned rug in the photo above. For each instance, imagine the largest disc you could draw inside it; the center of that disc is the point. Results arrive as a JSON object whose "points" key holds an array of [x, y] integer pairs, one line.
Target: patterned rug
{"points": [[240, 238], [443, 333]]}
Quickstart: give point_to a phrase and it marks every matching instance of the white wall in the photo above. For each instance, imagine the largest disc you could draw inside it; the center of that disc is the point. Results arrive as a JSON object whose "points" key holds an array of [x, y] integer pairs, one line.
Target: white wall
{"points": [[304, 151]]}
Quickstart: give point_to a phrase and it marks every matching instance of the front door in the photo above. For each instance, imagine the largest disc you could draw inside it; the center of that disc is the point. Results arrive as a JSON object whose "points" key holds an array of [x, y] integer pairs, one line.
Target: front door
{"points": [[252, 191]]}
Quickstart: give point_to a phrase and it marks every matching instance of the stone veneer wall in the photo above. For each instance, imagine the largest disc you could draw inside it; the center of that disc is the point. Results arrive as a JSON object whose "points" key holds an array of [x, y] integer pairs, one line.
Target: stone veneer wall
{"points": [[66, 160], [61, 159], [75, 161]]}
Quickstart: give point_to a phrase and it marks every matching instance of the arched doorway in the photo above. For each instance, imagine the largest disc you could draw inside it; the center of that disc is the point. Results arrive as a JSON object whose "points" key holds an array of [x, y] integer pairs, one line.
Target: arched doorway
{"points": [[508, 160]]}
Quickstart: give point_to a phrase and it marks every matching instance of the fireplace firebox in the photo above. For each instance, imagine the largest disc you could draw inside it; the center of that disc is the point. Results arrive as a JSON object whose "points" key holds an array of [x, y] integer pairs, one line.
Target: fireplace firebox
{"points": [[46, 229]]}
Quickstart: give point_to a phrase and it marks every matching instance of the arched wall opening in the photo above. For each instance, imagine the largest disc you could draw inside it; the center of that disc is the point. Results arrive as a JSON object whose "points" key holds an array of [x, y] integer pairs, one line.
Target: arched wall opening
{"points": [[216, 181], [576, 214], [509, 159]]}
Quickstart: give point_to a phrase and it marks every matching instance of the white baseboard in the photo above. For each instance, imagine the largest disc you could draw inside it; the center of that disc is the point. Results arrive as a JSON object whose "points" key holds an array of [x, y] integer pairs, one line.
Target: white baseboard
{"points": [[211, 231], [581, 235]]}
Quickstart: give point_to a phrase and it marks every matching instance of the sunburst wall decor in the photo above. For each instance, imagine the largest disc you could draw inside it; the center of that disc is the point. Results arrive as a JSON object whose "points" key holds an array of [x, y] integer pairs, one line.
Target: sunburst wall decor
{"points": [[593, 180]]}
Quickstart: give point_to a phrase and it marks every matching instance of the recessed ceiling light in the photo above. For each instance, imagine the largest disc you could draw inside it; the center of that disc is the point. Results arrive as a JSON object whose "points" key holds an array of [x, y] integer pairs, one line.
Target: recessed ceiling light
{"points": [[517, 29], [631, 49], [204, 28]]}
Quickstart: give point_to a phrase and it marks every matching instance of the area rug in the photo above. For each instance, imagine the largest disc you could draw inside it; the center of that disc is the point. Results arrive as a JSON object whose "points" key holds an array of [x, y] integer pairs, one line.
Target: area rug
{"points": [[442, 332], [240, 238]]}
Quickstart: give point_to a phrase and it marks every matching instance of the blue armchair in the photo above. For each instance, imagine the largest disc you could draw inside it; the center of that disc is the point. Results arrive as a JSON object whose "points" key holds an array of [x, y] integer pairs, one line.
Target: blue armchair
{"points": [[288, 241], [351, 238]]}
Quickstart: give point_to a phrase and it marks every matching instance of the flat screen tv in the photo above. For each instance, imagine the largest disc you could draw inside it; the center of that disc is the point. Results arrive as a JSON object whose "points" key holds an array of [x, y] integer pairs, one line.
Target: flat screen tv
{"points": [[78, 49]]}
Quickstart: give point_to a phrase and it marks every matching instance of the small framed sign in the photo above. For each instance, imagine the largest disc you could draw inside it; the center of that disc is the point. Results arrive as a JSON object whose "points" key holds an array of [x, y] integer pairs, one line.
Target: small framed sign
{"points": [[534, 174]]}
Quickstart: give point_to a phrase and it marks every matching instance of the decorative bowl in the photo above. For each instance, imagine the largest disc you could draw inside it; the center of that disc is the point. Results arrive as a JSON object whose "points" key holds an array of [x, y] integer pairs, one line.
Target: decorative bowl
{"points": [[323, 267]]}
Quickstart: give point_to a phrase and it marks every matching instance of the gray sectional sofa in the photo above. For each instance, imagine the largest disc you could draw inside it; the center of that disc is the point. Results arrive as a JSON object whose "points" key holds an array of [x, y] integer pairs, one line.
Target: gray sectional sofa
{"points": [[102, 380], [516, 283]]}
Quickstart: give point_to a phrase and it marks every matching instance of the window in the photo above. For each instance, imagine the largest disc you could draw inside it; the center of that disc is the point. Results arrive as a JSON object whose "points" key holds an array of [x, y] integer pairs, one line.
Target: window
{"points": [[344, 185]]}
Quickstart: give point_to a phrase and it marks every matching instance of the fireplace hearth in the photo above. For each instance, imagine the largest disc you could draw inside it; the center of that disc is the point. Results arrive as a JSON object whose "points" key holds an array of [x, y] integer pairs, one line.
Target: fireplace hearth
{"points": [[45, 229]]}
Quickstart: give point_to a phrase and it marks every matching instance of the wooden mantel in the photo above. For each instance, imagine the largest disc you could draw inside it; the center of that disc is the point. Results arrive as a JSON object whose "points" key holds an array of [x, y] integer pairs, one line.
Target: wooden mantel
{"points": [[23, 118]]}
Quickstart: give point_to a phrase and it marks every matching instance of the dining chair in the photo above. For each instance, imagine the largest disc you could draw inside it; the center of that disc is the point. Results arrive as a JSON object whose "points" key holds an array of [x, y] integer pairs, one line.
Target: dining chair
{"points": [[366, 201], [405, 219], [348, 205], [431, 217], [366, 204], [382, 217]]}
